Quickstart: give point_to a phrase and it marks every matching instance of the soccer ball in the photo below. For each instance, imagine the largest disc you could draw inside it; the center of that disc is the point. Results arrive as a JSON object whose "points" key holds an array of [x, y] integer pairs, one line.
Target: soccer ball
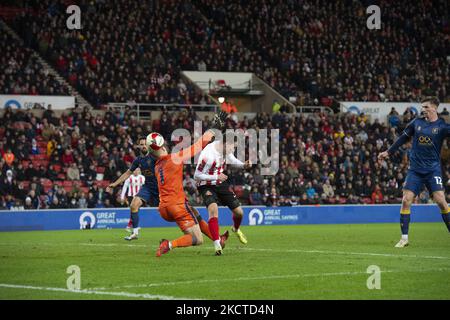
{"points": [[155, 141]]}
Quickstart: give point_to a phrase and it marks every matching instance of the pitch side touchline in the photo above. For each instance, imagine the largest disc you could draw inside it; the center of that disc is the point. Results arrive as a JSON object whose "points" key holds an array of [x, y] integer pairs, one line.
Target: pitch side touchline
{"points": [[86, 291]]}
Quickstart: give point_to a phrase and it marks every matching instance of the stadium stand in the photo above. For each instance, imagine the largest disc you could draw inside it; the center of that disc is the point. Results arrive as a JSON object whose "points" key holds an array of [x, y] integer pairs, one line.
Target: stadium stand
{"points": [[127, 52], [319, 54]]}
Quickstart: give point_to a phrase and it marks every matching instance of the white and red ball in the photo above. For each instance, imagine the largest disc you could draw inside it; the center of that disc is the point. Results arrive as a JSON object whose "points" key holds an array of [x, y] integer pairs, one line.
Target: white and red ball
{"points": [[155, 141]]}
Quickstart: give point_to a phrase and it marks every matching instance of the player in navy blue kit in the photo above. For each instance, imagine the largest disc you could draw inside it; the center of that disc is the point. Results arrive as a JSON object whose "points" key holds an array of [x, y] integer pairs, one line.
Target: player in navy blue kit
{"points": [[149, 191], [428, 134]]}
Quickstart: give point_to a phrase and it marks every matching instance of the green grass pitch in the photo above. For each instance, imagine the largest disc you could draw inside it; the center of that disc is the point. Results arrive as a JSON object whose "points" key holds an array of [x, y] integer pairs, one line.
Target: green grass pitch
{"points": [[279, 262]]}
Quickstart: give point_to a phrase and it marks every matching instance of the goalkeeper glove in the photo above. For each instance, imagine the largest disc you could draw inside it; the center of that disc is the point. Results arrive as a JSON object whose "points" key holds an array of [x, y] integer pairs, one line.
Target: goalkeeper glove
{"points": [[219, 120]]}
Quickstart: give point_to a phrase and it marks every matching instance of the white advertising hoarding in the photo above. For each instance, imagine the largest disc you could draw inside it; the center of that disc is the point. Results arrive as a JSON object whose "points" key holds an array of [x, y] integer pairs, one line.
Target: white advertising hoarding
{"points": [[28, 102], [380, 110]]}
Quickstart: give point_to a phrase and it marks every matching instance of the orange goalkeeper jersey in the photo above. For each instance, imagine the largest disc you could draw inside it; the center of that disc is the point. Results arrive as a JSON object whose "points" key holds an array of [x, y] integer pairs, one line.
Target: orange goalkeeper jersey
{"points": [[169, 172]]}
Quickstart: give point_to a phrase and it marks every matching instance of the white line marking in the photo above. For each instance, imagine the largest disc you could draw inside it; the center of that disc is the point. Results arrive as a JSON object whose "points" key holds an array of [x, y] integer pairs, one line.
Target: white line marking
{"points": [[86, 291], [347, 253], [274, 277], [260, 249]]}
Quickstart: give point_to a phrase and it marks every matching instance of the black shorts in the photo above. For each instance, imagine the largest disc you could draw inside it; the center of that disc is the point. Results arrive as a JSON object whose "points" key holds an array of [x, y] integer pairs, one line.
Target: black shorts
{"points": [[221, 195]]}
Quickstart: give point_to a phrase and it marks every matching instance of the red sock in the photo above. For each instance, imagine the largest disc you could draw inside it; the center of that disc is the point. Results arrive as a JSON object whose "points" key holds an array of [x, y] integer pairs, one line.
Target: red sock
{"points": [[130, 224], [213, 224], [237, 221]]}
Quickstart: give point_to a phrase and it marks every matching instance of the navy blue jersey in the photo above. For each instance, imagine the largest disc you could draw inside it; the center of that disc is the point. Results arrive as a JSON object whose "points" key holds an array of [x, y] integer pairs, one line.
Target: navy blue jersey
{"points": [[427, 139], [147, 165]]}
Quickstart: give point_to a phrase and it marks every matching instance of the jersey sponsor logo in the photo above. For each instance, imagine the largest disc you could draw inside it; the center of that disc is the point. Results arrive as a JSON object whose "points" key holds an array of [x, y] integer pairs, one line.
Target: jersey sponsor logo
{"points": [[425, 140], [419, 128], [435, 130]]}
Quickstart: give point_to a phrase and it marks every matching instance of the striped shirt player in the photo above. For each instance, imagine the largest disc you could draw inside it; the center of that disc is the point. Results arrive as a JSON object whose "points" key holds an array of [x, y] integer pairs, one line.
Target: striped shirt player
{"points": [[428, 134], [132, 186], [214, 188]]}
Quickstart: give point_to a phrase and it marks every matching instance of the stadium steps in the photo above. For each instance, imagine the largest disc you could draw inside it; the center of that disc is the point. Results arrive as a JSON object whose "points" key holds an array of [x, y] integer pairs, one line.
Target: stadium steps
{"points": [[82, 102]]}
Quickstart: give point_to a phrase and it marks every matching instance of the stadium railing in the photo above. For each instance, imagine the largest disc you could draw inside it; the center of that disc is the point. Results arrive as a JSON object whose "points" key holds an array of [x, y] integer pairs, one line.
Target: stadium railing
{"points": [[144, 109]]}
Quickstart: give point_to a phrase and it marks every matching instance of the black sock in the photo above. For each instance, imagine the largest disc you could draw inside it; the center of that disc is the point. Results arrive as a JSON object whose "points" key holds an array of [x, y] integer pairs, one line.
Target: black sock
{"points": [[135, 219], [404, 222], [446, 220]]}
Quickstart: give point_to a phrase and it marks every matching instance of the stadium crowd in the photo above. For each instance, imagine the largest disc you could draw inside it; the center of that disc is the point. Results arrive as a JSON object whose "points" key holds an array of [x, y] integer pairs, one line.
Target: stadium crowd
{"points": [[67, 162], [315, 51], [22, 73]]}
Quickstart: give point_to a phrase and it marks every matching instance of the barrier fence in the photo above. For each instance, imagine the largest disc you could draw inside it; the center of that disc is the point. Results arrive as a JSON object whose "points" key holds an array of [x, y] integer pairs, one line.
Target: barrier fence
{"points": [[72, 219]]}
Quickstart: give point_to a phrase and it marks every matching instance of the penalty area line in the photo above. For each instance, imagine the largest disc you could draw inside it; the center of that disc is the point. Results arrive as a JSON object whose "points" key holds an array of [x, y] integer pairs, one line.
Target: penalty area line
{"points": [[85, 291]]}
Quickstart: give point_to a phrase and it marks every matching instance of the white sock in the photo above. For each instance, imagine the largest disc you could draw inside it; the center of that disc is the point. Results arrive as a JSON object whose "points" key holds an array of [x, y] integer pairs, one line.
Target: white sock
{"points": [[136, 231], [404, 237], [217, 242], [170, 245]]}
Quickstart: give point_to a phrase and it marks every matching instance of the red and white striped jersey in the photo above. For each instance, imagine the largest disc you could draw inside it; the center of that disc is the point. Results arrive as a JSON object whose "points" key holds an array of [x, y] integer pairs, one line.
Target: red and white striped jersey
{"points": [[211, 164], [133, 184]]}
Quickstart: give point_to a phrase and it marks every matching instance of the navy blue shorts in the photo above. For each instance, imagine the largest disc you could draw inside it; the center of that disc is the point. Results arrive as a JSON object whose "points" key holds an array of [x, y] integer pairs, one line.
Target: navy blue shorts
{"points": [[416, 181], [149, 195]]}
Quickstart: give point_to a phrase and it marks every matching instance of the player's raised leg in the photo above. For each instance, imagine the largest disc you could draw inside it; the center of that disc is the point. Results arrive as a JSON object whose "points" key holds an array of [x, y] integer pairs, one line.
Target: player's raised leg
{"points": [[136, 203], [187, 222], [238, 213], [439, 198], [192, 237], [405, 217]]}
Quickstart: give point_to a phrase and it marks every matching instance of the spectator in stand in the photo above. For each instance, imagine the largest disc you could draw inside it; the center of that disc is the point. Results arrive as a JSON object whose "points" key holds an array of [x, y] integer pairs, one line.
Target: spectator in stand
{"points": [[255, 197], [377, 195], [73, 173]]}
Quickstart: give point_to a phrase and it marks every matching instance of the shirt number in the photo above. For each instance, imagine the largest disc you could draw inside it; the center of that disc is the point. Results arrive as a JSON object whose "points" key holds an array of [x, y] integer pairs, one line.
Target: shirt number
{"points": [[438, 180]]}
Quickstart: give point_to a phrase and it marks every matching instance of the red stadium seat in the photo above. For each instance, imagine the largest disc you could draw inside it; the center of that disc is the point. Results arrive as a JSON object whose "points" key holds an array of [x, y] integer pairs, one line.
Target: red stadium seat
{"points": [[100, 169], [61, 176], [67, 183], [57, 167]]}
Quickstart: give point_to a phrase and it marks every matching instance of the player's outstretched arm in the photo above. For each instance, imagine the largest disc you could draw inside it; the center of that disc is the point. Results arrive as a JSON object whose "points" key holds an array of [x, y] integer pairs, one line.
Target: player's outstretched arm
{"points": [[196, 148], [121, 179], [407, 133]]}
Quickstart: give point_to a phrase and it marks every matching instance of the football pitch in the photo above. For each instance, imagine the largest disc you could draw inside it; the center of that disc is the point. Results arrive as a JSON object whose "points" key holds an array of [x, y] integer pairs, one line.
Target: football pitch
{"points": [[279, 262]]}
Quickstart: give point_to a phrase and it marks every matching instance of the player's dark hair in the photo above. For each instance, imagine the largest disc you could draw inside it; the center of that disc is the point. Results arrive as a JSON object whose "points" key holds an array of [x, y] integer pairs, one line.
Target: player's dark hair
{"points": [[433, 99], [141, 138]]}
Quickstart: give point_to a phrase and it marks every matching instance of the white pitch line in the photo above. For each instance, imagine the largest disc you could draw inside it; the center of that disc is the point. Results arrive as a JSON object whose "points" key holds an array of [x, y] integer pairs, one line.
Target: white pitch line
{"points": [[287, 251], [109, 293], [274, 277], [271, 250], [347, 253]]}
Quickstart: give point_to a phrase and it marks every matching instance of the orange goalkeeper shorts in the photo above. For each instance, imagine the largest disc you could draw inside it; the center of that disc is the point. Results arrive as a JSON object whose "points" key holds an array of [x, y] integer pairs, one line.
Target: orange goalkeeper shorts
{"points": [[182, 214]]}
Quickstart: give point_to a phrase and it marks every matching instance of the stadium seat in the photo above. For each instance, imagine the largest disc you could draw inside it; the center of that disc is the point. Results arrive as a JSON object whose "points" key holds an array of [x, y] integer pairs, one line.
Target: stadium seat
{"points": [[67, 183], [100, 169], [57, 168], [61, 176]]}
